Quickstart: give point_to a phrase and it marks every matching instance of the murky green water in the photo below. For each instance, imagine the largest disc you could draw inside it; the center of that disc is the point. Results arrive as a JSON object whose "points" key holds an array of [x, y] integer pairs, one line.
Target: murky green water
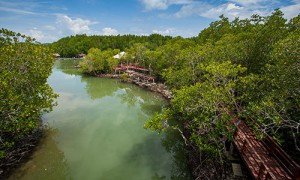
{"points": [[97, 132]]}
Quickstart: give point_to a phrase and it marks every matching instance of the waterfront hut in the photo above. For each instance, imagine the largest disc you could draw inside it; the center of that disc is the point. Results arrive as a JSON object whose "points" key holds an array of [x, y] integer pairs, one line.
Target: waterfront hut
{"points": [[119, 55], [56, 55]]}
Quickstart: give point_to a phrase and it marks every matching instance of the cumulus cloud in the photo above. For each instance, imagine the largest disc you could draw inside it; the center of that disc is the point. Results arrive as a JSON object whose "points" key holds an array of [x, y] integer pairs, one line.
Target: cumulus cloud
{"points": [[37, 34], [40, 35], [154, 4], [248, 2], [231, 11], [291, 11], [167, 31], [65, 26], [163, 4], [109, 31], [196, 8], [237, 8], [76, 25]]}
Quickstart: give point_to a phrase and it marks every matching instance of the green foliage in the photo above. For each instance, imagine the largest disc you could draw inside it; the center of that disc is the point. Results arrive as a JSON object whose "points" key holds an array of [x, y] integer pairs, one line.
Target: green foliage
{"points": [[98, 61], [177, 78], [242, 68], [159, 121], [136, 54], [25, 94], [2, 154], [245, 68], [124, 77]]}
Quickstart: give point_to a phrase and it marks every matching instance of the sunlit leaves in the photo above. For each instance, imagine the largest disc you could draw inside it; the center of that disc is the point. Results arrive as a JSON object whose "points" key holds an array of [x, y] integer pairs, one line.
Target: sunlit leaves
{"points": [[98, 61], [25, 94]]}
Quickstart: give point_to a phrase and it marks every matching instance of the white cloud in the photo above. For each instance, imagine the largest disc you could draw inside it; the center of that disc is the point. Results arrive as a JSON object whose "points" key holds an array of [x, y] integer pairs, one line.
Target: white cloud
{"points": [[168, 31], [24, 7], [291, 11], [41, 35], [155, 4], [248, 2], [49, 27], [237, 8], [65, 26], [143, 34], [193, 8], [17, 11], [109, 31], [37, 34], [76, 26], [229, 10], [163, 4]]}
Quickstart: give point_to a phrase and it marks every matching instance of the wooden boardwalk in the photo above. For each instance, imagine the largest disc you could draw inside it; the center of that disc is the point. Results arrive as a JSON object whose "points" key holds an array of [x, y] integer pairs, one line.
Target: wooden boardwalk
{"points": [[264, 159]]}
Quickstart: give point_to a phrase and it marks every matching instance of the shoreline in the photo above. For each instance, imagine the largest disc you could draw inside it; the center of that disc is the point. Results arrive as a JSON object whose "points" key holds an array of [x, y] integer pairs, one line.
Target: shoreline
{"points": [[191, 153], [159, 88], [27, 145], [21, 152]]}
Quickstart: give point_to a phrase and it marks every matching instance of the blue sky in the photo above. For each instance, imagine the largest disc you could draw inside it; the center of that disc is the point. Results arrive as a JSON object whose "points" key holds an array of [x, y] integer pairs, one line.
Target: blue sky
{"points": [[49, 20]]}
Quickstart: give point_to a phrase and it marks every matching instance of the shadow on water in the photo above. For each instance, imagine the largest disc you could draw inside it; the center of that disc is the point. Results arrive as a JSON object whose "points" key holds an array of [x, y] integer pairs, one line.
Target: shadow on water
{"points": [[148, 153], [173, 143], [47, 161]]}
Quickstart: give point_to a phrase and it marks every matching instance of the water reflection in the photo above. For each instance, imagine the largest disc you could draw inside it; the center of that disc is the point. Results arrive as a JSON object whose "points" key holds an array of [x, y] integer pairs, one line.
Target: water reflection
{"points": [[98, 89], [99, 133], [68, 66]]}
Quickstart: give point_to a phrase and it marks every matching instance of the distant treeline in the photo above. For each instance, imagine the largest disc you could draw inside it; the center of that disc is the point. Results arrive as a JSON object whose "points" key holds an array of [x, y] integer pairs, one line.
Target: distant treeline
{"points": [[74, 45]]}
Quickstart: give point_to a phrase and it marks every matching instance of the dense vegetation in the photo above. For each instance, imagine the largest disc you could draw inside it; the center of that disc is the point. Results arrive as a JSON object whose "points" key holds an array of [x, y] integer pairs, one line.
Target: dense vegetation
{"points": [[24, 68], [74, 45], [246, 68], [242, 68], [97, 61]]}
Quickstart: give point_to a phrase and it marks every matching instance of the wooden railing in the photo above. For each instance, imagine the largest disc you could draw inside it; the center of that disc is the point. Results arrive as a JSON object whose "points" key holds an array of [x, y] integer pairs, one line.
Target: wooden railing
{"points": [[285, 161], [264, 158], [262, 172]]}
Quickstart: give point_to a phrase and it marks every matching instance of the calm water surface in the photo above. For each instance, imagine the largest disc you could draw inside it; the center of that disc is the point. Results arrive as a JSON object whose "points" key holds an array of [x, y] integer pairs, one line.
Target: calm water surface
{"points": [[97, 132]]}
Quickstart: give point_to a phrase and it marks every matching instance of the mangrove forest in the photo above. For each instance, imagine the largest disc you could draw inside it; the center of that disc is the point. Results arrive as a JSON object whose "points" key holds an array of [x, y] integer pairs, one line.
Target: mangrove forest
{"points": [[223, 104]]}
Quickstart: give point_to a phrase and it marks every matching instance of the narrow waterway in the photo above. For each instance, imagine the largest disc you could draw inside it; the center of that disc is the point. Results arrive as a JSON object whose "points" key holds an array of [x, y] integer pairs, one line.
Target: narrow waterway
{"points": [[96, 132]]}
